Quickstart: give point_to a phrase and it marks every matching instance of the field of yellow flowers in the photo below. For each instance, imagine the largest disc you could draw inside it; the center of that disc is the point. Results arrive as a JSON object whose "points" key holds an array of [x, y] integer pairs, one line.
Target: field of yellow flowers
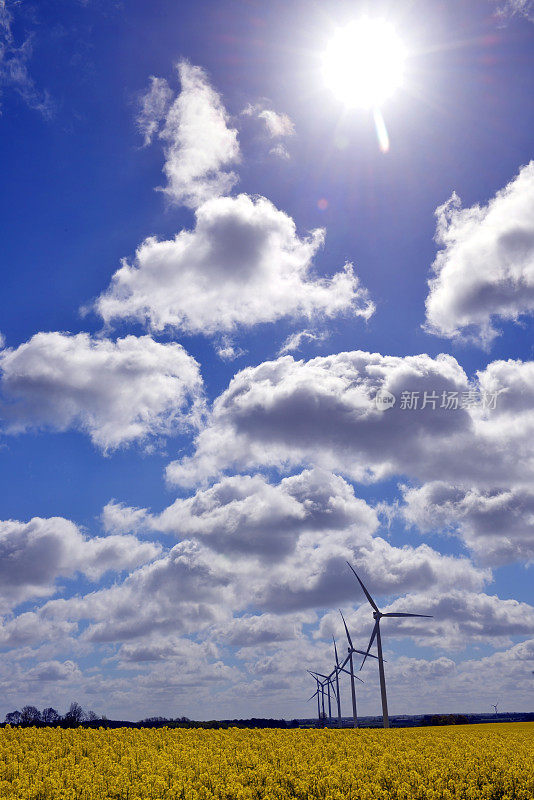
{"points": [[475, 762]]}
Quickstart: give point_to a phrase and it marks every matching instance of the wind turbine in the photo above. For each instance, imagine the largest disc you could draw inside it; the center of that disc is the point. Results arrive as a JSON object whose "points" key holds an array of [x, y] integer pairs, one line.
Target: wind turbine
{"points": [[495, 706], [351, 649], [377, 615], [316, 692], [320, 687], [328, 682]]}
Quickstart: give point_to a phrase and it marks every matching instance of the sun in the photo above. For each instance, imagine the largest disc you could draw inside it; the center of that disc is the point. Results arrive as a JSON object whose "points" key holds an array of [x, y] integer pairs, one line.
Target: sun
{"points": [[363, 63]]}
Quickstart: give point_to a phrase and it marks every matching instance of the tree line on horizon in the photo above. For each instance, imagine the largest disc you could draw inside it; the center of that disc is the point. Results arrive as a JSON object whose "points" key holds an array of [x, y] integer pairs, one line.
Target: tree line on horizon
{"points": [[30, 715], [75, 716]]}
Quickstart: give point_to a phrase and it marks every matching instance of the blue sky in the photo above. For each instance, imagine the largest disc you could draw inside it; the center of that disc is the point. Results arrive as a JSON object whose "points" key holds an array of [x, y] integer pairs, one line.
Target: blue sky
{"points": [[191, 447]]}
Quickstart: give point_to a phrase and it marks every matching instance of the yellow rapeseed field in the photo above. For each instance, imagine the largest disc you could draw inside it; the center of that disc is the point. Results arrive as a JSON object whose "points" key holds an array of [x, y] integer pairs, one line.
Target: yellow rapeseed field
{"points": [[478, 762]]}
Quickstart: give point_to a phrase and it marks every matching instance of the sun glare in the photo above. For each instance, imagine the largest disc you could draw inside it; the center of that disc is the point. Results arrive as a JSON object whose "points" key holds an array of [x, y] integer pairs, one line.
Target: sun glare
{"points": [[364, 63]]}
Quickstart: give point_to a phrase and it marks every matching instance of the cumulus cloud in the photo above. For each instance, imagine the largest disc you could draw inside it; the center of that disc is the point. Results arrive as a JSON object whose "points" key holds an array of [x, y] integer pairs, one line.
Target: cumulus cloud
{"points": [[485, 269], [183, 591], [247, 515], [199, 144], [54, 671], [497, 525], [287, 413], [460, 617], [35, 554], [279, 548], [29, 629], [119, 518], [153, 106], [117, 392], [242, 264], [261, 629]]}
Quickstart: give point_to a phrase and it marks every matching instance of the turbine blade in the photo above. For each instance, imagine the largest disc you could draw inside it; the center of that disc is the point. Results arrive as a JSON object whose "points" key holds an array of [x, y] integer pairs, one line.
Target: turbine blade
{"points": [[346, 629], [335, 650], [365, 653], [348, 673], [365, 591], [371, 640], [313, 695], [399, 614]]}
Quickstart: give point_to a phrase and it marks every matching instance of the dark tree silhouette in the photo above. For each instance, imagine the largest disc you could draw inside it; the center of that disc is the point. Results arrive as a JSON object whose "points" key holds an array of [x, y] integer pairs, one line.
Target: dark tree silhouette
{"points": [[50, 716], [74, 715], [13, 718], [30, 715]]}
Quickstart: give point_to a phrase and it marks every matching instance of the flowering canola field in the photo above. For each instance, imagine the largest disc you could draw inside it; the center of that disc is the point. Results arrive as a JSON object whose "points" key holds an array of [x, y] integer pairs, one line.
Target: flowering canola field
{"points": [[479, 762]]}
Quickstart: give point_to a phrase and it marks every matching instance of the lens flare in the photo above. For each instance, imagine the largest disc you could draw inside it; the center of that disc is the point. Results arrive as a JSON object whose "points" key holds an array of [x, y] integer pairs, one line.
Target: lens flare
{"points": [[381, 130]]}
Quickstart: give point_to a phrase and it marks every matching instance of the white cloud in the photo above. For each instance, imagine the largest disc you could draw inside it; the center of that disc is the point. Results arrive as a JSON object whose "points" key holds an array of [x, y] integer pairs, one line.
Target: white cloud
{"points": [[523, 8], [247, 515], [118, 518], [280, 151], [153, 106], [288, 413], [261, 629], [54, 671], [243, 264], [287, 544], [485, 270], [460, 617], [275, 123], [116, 392], [497, 525], [14, 60], [294, 341], [183, 591], [199, 145], [228, 351], [35, 554], [29, 628], [222, 585]]}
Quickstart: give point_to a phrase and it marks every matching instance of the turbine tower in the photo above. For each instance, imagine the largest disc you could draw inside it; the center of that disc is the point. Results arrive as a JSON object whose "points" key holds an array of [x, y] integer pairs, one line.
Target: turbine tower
{"points": [[337, 669], [377, 616], [351, 649]]}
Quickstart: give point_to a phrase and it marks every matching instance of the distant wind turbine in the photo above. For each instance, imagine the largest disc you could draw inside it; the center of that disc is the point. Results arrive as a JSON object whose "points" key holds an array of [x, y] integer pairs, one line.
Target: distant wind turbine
{"points": [[377, 615], [328, 681], [318, 692]]}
